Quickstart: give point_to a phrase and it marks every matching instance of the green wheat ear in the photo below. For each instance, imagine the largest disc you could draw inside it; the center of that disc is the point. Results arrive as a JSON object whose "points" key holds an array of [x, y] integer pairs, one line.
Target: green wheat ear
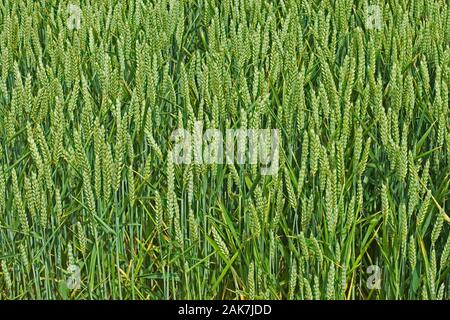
{"points": [[6, 276]]}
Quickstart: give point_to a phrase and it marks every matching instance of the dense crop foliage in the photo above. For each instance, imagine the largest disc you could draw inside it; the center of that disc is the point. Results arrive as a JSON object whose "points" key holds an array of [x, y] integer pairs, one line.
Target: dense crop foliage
{"points": [[357, 210]]}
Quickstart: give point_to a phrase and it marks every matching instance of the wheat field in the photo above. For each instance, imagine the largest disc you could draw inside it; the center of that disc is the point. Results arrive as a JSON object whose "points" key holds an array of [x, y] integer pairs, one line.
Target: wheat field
{"points": [[93, 205]]}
